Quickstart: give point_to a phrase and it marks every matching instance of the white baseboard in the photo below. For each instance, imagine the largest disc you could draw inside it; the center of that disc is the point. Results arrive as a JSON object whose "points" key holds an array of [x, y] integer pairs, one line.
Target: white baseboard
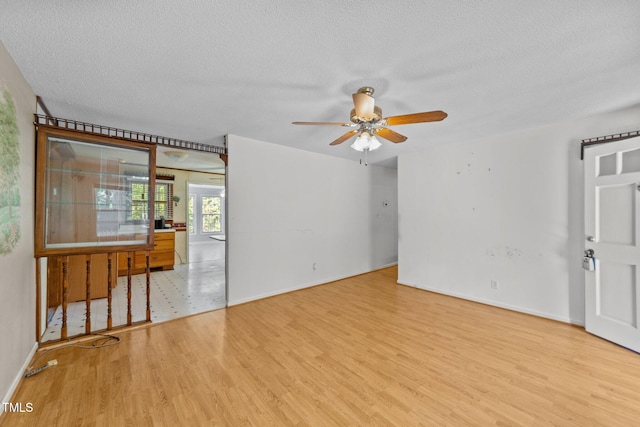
{"points": [[577, 322], [304, 286], [19, 375], [386, 266], [492, 303], [285, 290]]}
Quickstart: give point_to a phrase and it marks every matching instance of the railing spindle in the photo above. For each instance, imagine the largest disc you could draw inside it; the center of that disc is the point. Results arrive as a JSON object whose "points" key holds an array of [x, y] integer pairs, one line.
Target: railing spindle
{"points": [[87, 321], [65, 288], [129, 291], [148, 274], [109, 289]]}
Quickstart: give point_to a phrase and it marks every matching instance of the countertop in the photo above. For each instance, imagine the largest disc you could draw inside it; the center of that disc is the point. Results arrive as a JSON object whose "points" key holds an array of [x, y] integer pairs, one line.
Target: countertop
{"points": [[164, 230]]}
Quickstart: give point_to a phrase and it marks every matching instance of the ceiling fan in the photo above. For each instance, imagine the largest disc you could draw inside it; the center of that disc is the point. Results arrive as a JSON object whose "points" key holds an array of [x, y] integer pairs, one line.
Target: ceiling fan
{"points": [[367, 118]]}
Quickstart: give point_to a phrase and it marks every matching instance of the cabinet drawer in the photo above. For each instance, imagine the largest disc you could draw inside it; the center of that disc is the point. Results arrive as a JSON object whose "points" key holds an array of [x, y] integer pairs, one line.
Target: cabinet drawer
{"points": [[162, 255], [155, 259], [163, 236], [161, 259], [163, 246]]}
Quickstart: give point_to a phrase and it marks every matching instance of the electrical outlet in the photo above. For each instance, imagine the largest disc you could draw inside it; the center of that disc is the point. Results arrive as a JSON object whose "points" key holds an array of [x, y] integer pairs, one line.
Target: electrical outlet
{"points": [[315, 265], [494, 284]]}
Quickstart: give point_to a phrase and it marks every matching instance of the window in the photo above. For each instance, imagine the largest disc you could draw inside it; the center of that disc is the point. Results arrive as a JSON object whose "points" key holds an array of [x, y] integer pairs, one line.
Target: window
{"points": [[205, 211], [190, 218], [211, 211], [163, 208]]}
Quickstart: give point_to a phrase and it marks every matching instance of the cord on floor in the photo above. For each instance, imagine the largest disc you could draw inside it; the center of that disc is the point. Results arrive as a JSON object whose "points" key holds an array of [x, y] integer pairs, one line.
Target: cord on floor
{"points": [[102, 341]]}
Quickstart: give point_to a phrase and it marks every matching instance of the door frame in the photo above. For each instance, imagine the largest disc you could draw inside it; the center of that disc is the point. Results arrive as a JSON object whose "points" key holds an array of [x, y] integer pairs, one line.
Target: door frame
{"points": [[197, 209], [610, 329]]}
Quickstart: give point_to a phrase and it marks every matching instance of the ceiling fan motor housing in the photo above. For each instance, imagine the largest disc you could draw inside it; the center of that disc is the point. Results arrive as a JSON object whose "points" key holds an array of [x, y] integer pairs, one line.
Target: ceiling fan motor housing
{"points": [[376, 116], [367, 90]]}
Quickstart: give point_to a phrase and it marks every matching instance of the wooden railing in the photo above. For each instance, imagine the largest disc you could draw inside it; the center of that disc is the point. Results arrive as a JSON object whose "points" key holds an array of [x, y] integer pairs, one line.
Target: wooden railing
{"points": [[110, 270], [128, 135]]}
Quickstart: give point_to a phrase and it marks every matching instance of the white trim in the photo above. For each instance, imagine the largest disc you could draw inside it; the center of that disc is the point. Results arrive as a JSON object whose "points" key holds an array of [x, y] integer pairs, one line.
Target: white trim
{"points": [[495, 304], [16, 381], [385, 266]]}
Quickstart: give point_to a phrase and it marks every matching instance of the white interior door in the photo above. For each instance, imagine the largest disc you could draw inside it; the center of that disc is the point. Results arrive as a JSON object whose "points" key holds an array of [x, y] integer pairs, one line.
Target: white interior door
{"points": [[612, 209]]}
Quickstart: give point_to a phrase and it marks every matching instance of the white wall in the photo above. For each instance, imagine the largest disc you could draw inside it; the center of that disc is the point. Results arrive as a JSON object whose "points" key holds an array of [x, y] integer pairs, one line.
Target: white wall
{"points": [[17, 281], [383, 205], [506, 208], [289, 211]]}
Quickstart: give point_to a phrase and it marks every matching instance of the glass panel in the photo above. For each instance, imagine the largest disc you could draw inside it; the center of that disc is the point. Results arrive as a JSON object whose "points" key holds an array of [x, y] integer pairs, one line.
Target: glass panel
{"points": [[616, 216], [88, 194], [631, 161], [140, 200], [617, 292], [162, 195], [607, 165]]}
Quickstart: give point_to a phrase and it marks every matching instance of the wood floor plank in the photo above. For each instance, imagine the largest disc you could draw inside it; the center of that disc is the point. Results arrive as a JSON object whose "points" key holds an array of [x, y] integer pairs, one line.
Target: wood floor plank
{"points": [[360, 351]]}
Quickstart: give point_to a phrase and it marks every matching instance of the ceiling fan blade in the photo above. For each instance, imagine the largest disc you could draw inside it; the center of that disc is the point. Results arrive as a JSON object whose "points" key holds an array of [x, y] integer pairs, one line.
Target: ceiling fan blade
{"points": [[364, 104], [406, 119], [344, 137], [324, 124], [392, 136]]}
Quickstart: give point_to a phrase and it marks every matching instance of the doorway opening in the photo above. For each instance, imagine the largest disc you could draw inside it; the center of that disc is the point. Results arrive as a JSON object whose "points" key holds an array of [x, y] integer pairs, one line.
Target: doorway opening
{"points": [[196, 281], [205, 223]]}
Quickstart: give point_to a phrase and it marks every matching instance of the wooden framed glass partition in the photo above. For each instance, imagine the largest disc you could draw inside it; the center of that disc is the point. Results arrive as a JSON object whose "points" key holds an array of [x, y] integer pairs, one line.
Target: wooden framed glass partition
{"points": [[83, 194], [85, 215]]}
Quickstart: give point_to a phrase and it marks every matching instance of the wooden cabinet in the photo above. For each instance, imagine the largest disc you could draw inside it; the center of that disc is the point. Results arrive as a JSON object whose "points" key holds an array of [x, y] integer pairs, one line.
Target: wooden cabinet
{"points": [[77, 274], [160, 258]]}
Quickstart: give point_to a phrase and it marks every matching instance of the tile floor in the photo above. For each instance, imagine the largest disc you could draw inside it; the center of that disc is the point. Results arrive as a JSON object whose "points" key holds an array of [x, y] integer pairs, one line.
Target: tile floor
{"points": [[188, 289]]}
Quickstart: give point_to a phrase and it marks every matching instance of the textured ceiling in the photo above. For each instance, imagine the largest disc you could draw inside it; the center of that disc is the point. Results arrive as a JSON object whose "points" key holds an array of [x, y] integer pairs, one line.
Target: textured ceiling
{"points": [[198, 70]]}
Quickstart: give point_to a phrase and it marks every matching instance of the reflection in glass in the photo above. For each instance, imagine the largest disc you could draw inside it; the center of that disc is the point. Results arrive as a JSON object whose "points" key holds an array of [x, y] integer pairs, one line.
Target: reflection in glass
{"points": [[89, 191]]}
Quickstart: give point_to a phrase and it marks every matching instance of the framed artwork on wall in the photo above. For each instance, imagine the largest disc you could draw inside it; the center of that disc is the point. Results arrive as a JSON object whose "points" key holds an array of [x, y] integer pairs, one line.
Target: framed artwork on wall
{"points": [[9, 174]]}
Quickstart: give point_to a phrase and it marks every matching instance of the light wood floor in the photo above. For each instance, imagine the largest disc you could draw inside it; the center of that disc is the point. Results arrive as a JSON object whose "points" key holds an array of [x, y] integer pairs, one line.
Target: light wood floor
{"points": [[358, 352]]}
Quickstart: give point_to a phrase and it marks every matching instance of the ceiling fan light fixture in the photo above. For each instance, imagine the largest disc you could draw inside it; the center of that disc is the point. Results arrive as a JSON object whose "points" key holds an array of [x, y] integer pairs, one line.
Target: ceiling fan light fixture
{"points": [[176, 156], [366, 141]]}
